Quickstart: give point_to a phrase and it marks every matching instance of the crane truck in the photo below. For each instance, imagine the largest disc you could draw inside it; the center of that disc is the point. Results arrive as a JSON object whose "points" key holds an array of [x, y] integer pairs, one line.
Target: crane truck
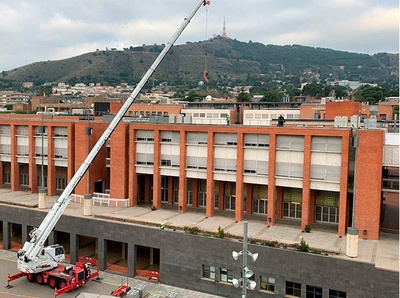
{"points": [[42, 264]]}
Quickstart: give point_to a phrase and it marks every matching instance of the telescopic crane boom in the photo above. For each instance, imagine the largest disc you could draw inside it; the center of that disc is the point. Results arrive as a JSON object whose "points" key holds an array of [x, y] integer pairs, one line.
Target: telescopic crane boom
{"points": [[30, 257]]}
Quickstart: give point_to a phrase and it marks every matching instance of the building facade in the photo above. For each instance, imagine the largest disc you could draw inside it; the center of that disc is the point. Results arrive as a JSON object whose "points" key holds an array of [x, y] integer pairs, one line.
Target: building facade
{"points": [[297, 175]]}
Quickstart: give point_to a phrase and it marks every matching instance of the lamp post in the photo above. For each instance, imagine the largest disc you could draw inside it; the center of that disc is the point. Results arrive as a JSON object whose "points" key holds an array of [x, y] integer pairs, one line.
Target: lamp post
{"points": [[42, 190], [246, 272], [352, 232], [87, 198]]}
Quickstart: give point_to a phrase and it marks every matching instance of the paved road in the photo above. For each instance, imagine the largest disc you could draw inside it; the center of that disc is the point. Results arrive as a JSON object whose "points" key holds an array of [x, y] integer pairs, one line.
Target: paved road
{"points": [[109, 282]]}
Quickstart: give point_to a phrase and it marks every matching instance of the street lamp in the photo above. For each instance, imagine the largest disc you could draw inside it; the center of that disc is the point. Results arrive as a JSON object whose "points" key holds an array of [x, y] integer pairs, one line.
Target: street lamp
{"points": [[42, 190], [246, 272]]}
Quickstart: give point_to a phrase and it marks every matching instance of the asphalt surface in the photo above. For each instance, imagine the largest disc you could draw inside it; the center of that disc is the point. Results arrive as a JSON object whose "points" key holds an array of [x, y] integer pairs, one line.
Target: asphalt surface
{"points": [[108, 282]]}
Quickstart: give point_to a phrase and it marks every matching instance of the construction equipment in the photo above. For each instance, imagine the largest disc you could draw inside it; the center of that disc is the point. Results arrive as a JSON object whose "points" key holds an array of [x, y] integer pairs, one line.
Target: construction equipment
{"points": [[41, 264]]}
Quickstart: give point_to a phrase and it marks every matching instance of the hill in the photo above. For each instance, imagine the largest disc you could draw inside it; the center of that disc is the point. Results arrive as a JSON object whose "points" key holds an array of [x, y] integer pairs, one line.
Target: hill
{"points": [[229, 62]]}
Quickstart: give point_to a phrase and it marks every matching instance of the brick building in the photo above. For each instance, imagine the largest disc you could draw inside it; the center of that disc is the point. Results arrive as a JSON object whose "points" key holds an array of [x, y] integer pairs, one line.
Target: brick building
{"points": [[297, 175]]}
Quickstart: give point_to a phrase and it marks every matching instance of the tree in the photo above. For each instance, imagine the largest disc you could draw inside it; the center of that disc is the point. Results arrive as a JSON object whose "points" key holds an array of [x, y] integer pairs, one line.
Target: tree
{"points": [[370, 94], [243, 96], [271, 96], [316, 90]]}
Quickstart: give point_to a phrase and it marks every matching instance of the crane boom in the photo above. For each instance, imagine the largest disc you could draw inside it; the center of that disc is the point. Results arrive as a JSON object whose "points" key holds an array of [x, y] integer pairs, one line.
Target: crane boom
{"points": [[31, 250]]}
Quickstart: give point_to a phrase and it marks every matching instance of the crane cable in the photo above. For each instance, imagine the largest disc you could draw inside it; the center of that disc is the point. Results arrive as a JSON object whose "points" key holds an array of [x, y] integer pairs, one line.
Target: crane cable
{"points": [[205, 73]]}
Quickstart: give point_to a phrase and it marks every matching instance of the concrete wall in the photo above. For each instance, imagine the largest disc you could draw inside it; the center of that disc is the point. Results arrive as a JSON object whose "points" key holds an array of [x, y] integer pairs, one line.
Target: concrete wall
{"points": [[182, 256]]}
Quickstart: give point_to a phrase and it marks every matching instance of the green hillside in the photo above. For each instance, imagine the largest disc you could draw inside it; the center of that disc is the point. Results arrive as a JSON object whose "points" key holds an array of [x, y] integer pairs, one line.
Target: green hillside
{"points": [[229, 62]]}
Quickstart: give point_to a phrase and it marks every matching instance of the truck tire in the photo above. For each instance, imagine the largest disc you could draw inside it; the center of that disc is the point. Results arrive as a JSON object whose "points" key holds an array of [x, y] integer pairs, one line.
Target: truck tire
{"points": [[62, 284], [52, 282], [39, 279], [30, 277]]}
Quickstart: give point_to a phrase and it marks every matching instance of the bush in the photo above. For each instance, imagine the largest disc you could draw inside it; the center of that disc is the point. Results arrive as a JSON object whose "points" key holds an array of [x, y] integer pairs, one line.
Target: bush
{"points": [[191, 230], [303, 247], [221, 233]]}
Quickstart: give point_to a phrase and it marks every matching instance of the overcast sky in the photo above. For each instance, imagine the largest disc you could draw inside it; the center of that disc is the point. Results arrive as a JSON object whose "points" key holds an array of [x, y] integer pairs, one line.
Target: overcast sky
{"points": [[32, 30]]}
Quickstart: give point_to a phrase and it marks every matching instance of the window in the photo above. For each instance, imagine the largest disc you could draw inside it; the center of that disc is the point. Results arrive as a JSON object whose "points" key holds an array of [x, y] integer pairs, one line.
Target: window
{"points": [[336, 294], [292, 198], [208, 272], [61, 183], [327, 206], [313, 292], [24, 179], [226, 275], [293, 289], [267, 283]]}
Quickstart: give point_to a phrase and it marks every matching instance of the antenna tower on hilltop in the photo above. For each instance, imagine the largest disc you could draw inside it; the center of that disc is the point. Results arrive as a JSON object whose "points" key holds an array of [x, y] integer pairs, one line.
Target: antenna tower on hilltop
{"points": [[224, 30]]}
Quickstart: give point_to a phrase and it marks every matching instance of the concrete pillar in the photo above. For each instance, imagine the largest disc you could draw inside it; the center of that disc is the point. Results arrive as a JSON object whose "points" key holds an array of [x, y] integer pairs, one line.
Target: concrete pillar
{"points": [[87, 205], [352, 242], [6, 235], [131, 260], [25, 233], [42, 198], [123, 251], [74, 248], [151, 256], [52, 238], [101, 254]]}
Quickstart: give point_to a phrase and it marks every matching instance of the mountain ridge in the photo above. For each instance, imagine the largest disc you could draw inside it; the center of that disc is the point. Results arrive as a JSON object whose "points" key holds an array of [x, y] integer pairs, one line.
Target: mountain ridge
{"points": [[227, 61]]}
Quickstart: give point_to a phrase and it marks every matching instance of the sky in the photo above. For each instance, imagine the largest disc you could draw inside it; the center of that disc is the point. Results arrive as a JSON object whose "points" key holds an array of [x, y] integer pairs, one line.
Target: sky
{"points": [[33, 31]]}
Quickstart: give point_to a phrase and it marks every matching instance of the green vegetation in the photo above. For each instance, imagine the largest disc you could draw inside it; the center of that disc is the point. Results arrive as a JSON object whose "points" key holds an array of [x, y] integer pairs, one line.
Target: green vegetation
{"points": [[303, 247], [191, 230], [220, 233], [274, 71]]}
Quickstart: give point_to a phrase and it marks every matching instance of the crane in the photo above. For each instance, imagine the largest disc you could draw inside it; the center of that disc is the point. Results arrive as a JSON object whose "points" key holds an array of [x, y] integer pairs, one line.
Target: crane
{"points": [[33, 258]]}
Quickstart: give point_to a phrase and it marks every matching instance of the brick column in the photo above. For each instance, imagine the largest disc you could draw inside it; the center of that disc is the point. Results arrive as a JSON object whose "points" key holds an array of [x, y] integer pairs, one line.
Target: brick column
{"points": [[272, 192], [306, 207], [51, 169], [210, 175], [133, 177], [15, 182], [239, 202], [182, 200], [33, 181], [156, 171], [71, 152], [118, 161], [344, 176]]}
